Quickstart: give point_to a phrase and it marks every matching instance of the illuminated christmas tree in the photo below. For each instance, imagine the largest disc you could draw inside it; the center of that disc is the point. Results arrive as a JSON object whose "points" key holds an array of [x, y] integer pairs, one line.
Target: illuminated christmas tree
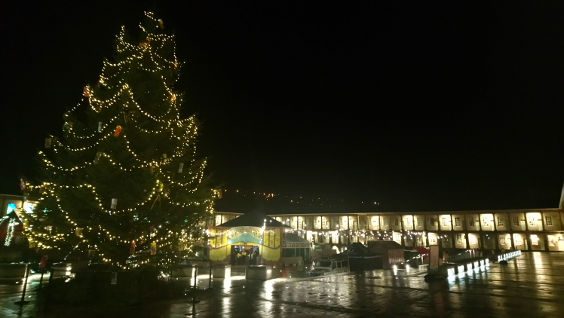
{"points": [[125, 179]]}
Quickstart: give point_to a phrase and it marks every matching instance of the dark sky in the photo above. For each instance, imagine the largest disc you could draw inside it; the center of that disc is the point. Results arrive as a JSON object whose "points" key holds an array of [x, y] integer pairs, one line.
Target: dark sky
{"points": [[418, 105]]}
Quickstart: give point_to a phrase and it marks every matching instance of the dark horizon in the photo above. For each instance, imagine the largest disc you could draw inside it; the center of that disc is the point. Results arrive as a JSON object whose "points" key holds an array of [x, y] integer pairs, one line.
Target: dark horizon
{"points": [[421, 106]]}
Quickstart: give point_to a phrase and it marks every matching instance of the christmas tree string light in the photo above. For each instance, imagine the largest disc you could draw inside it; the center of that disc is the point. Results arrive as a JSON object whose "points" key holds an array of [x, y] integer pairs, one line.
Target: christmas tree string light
{"points": [[113, 176]]}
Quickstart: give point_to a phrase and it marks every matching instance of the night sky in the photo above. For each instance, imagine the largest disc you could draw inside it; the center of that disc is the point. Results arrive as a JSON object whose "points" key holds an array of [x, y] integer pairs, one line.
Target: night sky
{"points": [[416, 105]]}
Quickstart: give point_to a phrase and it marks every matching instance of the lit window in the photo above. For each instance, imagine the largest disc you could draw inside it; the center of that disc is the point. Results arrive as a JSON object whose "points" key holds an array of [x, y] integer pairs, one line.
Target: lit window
{"points": [[548, 220], [445, 221]]}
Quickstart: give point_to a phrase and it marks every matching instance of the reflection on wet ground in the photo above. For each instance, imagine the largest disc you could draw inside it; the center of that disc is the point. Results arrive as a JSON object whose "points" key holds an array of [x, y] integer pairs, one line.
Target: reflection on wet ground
{"points": [[530, 286]]}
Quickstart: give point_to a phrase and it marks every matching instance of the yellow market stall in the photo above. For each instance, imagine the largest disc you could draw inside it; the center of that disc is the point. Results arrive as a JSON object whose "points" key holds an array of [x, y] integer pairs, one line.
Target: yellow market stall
{"points": [[250, 239]]}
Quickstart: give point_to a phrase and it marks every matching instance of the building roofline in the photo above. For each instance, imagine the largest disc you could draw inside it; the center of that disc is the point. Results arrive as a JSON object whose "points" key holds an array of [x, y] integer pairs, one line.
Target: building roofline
{"points": [[414, 212]]}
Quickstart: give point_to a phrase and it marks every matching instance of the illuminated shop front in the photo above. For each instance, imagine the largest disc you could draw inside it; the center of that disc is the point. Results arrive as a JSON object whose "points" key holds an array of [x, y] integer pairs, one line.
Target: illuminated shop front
{"points": [[537, 242], [473, 240], [504, 241], [555, 242], [520, 241], [415, 239], [460, 241]]}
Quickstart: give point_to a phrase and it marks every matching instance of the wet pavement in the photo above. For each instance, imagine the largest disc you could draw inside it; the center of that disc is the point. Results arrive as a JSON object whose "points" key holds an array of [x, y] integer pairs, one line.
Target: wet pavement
{"points": [[531, 285]]}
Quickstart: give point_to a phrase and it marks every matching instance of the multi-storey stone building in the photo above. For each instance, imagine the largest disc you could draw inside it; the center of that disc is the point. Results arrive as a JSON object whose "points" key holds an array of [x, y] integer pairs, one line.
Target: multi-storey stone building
{"points": [[523, 229]]}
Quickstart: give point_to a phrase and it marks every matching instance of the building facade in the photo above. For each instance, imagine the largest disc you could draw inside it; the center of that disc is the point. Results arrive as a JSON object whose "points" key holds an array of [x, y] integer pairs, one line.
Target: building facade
{"points": [[523, 229]]}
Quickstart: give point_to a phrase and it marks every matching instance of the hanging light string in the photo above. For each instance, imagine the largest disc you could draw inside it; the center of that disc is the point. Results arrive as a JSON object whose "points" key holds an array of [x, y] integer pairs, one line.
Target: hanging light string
{"points": [[187, 142], [53, 189], [98, 230]]}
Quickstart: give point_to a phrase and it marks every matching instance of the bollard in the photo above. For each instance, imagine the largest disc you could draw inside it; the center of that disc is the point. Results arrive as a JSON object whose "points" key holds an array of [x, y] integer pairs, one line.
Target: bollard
{"points": [[22, 300], [41, 279], [210, 276], [42, 266], [195, 272], [191, 290], [50, 275]]}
